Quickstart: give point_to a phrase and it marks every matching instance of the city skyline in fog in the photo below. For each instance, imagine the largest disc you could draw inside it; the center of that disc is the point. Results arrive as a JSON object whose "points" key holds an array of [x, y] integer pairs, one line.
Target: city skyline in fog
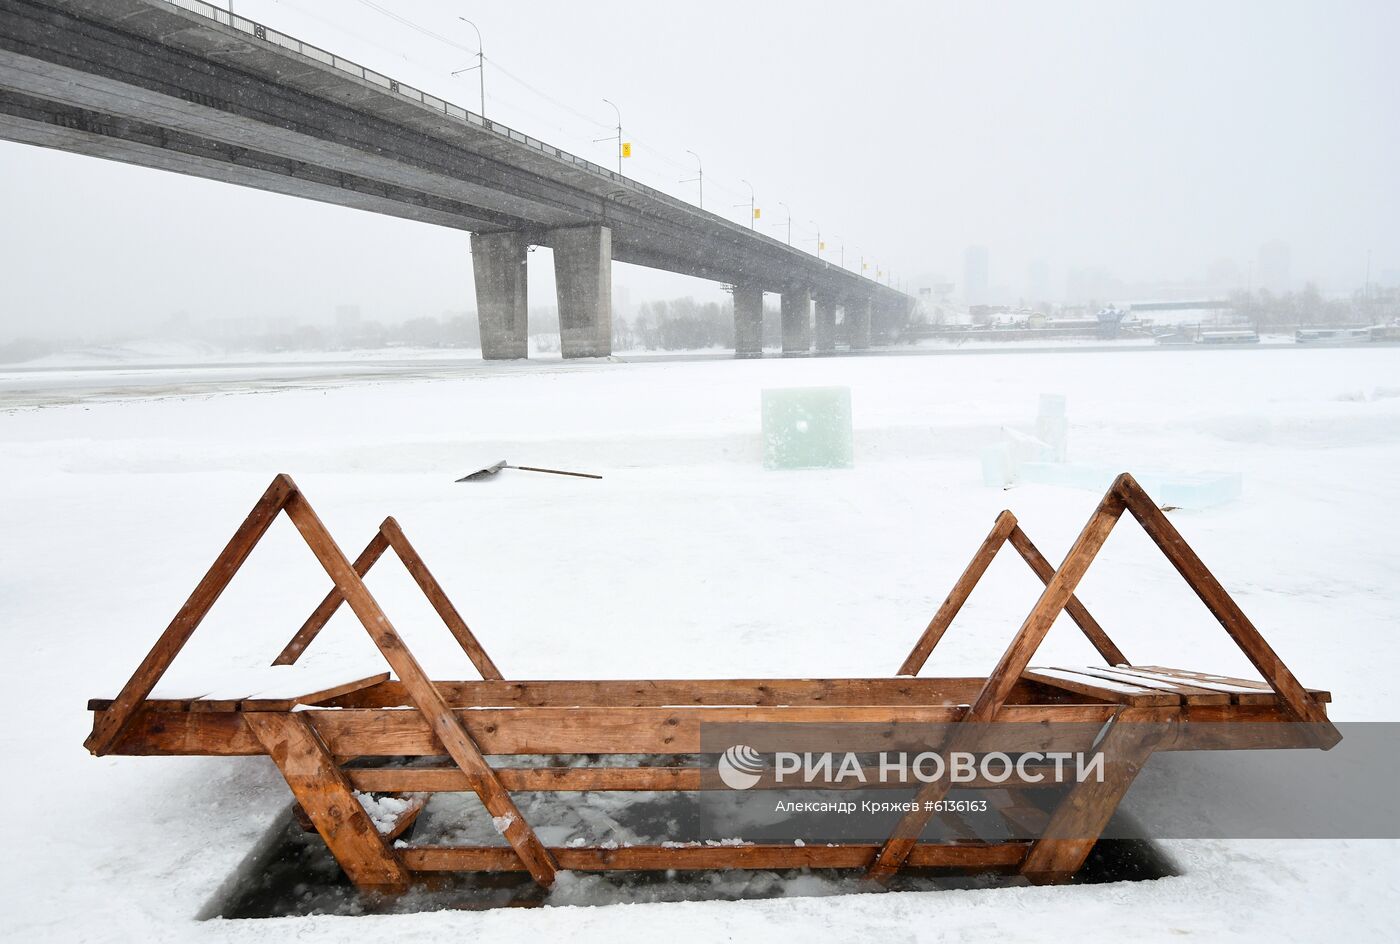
{"points": [[1090, 151]]}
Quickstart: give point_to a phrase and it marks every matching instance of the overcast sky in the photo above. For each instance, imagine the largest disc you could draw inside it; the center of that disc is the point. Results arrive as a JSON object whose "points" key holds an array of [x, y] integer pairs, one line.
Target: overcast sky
{"points": [[1148, 139]]}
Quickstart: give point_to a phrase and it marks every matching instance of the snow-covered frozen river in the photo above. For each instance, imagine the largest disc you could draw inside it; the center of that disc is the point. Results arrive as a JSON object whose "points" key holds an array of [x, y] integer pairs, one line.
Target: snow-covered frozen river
{"points": [[687, 559]]}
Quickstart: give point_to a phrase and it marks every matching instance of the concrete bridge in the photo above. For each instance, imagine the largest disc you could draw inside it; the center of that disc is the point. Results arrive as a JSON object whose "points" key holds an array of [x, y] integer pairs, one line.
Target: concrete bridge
{"points": [[186, 87]]}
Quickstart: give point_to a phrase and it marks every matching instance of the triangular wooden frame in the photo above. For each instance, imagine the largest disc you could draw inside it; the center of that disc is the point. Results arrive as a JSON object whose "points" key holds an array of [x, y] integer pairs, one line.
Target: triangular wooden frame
{"points": [[284, 496], [391, 537], [1005, 530], [1125, 494]]}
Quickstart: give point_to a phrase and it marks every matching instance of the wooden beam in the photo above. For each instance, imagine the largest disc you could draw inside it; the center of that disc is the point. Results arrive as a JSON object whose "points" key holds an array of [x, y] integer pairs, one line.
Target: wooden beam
{"points": [[413, 561], [704, 856], [446, 727], [326, 609], [1081, 816], [390, 535], [1223, 607], [325, 795], [372, 732], [1005, 530], [113, 722], [943, 618], [257, 703], [1077, 611], [681, 693], [1008, 671], [628, 779]]}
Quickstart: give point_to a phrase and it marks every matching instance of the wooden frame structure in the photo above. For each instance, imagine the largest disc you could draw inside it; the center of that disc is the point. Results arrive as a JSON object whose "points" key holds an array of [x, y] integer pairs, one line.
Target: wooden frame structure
{"points": [[315, 738]]}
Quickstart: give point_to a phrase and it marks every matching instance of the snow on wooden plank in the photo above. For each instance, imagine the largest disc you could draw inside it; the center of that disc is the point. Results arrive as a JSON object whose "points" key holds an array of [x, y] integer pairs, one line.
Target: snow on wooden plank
{"points": [[1121, 692], [1239, 694], [1202, 677], [266, 688]]}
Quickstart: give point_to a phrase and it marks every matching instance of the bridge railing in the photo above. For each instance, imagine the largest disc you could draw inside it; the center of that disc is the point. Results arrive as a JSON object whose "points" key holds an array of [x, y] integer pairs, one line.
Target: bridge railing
{"points": [[291, 43], [276, 38]]}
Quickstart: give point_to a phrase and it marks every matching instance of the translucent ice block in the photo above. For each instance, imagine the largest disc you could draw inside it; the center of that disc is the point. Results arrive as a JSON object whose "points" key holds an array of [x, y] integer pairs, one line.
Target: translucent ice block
{"points": [[1052, 425], [1095, 478], [1198, 490], [997, 470], [807, 428], [1052, 404], [1179, 489], [1025, 448]]}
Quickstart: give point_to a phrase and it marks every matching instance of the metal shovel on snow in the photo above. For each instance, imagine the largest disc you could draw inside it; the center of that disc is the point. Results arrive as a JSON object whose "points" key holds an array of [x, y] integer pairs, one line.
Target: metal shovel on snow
{"points": [[491, 470]]}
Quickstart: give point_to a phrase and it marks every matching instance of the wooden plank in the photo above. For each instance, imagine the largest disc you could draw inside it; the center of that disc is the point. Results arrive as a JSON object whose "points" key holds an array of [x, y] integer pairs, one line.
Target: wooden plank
{"points": [[110, 723], [1265, 728], [1185, 693], [259, 703], [1077, 611], [380, 733], [644, 779], [1007, 672], [157, 704], [1236, 694], [626, 693], [943, 618], [1021, 819], [320, 616], [216, 704], [1265, 660], [251, 696], [446, 727], [1081, 816], [670, 730], [325, 795], [1320, 694], [1117, 692], [439, 599], [701, 856]]}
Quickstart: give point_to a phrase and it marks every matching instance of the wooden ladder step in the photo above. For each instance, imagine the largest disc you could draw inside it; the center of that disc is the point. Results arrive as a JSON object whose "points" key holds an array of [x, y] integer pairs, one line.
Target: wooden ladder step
{"points": [[1184, 692], [1119, 691], [1233, 685]]}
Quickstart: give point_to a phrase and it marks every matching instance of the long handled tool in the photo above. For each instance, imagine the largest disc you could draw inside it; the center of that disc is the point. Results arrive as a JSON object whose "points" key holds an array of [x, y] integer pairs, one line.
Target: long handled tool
{"points": [[491, 470]]}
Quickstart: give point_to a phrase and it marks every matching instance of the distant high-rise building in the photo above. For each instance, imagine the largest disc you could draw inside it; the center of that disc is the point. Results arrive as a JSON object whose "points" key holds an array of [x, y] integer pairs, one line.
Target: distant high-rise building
{"points": [[975, 286], [1275, 260]]}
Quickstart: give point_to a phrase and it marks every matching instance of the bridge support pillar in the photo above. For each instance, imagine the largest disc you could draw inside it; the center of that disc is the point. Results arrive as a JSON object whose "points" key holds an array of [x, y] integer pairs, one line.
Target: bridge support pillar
{"points": [[824, 329], [583, 283], [858, 325], [748, 320], [502, 310], [797, 322]]}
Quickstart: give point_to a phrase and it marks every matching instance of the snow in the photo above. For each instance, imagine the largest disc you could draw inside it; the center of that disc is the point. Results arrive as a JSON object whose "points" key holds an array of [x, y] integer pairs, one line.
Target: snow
{"points": [[687, 559], [384, 811]]}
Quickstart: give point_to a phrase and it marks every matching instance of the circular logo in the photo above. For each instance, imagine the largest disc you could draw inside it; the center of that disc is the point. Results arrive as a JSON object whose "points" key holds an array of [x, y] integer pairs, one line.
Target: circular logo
{"points": [[740, 767]]}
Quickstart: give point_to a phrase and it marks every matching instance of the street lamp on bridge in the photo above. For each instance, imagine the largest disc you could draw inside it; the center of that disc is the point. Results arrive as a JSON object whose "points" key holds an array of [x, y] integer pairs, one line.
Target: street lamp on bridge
{"points": [[480, 66], [621, 148], [789, 221], [753, 210]]}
